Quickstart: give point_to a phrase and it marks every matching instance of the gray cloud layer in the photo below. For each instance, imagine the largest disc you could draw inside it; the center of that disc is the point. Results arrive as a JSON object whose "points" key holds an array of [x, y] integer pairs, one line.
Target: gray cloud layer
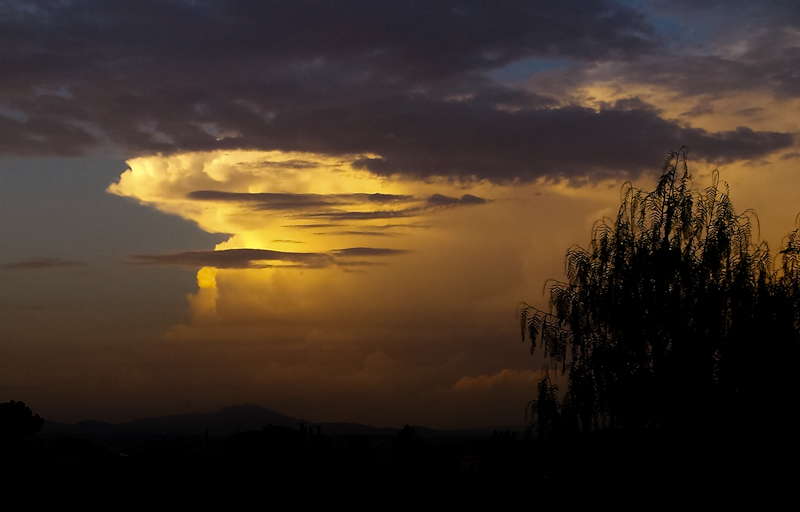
{"points": [[716, 47], [288, 201], [236, 258], [403, 80], [255, 258], [334, 207], [40, 263]]}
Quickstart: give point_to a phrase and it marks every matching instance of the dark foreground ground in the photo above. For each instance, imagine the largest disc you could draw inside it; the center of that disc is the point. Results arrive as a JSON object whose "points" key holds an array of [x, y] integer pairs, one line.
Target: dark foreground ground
{"points": [[280, 466]]}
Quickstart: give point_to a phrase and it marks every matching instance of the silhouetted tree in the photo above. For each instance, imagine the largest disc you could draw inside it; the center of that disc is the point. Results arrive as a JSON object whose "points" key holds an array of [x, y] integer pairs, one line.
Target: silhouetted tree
{"points": [[408, 448], [668, 316], [17, 423], [408, 440], [545, 410]]}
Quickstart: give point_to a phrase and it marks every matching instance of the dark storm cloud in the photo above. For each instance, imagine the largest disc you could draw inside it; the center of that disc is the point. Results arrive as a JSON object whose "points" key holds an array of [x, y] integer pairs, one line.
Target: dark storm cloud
{"points": [[359, 233], [714, 75], [379, 231], [750, 112], [569, 141], [714, 47], [698, 110], [313, 226], [440, 200], [254, 258], [288, 201], [739, 144], [786, 10], [354, 263], [355, 216], [763, 25], [40, 263], [234, 258], [403, 80], [392, 39], [367, 251], [431, 205], [329, 206]]}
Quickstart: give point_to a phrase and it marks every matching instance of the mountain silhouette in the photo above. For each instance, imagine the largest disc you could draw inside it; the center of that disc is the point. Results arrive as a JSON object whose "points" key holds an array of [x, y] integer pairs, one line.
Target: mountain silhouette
{"points": [[226, 422], [230, 421]]}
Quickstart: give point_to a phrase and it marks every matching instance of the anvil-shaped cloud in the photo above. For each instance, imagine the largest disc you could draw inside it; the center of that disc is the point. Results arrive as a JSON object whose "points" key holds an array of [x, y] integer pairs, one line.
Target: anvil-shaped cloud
{"points": [[264, 204]]}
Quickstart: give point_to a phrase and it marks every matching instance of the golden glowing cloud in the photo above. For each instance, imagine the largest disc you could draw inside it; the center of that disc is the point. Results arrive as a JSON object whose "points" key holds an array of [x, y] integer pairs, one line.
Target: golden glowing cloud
{"points": [[357, 284], [347, 288]]}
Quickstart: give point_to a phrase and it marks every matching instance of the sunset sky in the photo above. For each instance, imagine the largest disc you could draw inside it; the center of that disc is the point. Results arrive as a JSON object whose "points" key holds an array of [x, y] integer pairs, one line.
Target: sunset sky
{"points": [[332, 209]]}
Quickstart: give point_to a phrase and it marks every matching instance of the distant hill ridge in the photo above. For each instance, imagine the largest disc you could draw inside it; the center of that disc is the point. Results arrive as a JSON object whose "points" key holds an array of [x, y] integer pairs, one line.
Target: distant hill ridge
{"points": [[226, 422]]}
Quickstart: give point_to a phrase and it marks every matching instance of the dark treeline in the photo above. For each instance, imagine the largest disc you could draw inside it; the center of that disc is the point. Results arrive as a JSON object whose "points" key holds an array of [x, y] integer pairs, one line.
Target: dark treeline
{"points": [[301, 464], [306, 466]]}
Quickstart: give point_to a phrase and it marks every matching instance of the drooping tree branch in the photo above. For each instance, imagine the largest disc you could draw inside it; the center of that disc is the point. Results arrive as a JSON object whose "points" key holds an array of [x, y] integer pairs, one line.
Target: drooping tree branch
{"points": [[660, 316]]}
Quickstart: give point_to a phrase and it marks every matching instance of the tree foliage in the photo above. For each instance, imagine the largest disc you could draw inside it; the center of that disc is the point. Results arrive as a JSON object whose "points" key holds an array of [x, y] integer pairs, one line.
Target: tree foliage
{"points": [[672, 316], [17, 423]]}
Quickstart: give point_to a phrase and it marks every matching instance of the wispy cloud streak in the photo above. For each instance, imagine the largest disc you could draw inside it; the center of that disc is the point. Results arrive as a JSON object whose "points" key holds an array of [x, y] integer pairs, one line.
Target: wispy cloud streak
{"points": [[256, 258]]}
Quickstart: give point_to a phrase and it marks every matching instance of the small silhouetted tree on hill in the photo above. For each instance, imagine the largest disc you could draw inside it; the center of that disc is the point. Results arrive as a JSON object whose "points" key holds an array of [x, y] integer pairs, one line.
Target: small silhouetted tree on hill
{"points": [[408, 448], [672, 318]]}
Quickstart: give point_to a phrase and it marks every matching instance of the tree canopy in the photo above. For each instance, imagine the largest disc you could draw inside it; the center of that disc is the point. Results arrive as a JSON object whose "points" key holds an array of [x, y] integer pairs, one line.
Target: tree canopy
{"points": [[17, 422], [673, 317]]}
